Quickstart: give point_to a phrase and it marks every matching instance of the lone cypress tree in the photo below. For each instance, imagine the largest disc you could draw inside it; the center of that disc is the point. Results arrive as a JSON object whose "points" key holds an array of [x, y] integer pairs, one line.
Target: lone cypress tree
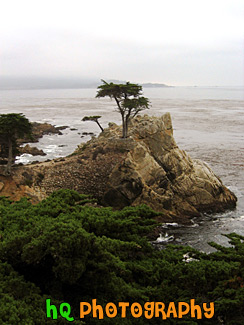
{"points": [[128, 99], [12, 127]]}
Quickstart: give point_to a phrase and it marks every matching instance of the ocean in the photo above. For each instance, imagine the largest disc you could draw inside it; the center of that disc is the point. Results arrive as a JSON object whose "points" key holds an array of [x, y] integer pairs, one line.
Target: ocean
{"points": [[208, 123]]}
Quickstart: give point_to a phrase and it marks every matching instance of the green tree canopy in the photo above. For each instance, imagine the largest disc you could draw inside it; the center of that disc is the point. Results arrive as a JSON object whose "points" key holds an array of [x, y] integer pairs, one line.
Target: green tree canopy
{"points": [[128, 98], [13, 126]]}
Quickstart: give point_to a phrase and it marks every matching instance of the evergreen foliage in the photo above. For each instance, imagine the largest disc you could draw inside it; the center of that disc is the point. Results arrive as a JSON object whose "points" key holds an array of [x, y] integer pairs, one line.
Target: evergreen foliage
{"points": [[69, 251], [128, 98]]}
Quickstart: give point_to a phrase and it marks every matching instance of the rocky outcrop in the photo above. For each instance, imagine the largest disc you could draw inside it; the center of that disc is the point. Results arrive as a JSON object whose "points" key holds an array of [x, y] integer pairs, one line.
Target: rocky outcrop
{"points": [[34, 151], [16, 187], [156, 172], [41, 129], [147, 167]]}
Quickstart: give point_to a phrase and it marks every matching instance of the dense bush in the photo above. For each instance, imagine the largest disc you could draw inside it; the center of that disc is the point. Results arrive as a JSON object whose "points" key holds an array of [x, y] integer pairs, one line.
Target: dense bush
{"points": [[69, 251]]}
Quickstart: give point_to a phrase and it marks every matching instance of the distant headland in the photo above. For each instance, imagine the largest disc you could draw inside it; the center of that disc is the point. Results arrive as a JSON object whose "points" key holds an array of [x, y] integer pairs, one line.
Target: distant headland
{"points": [[60, 83]]}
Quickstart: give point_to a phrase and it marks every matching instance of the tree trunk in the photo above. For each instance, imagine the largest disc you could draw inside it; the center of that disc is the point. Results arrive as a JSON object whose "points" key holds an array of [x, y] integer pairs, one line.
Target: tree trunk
{"points": [[125, 126], [124, 133], [125, 129], [10, 156], [99, 125]]}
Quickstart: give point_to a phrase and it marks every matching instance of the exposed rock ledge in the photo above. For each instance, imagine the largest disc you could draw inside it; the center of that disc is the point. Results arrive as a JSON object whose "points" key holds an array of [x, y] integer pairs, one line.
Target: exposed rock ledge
{"points": [[34, 151], [41, 129], [148, 167]]}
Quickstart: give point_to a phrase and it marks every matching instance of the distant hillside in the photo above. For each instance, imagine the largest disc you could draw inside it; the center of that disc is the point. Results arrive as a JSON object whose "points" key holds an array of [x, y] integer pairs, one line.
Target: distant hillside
{"points": [[59, 83], [144, 85]]}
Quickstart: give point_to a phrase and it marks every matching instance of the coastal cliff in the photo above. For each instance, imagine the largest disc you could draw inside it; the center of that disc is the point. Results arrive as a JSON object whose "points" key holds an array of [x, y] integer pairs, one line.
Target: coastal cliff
{"points": [[147, 167]]}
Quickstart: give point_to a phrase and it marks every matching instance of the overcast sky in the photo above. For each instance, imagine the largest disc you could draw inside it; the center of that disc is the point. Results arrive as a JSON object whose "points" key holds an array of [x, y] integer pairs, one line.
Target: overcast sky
{"points": [[176, 42]]}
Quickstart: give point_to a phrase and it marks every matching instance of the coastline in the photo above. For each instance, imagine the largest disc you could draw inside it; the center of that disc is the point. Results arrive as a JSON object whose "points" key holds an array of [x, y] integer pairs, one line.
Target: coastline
{"points": [[208, 125]]}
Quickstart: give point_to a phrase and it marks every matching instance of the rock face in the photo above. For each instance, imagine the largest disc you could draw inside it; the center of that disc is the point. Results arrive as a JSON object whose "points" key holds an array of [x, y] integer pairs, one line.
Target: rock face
{"points": [[147, 167], [156, 172], [41, 129], [34, 151]]}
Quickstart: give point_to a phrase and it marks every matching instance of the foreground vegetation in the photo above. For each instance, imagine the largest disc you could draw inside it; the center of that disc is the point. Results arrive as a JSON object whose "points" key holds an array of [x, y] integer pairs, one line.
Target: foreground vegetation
{"points": [[67, 250]]}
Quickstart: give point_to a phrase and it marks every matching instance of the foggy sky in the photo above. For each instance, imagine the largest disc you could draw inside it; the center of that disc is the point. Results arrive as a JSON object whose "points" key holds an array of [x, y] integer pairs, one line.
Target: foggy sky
{"points": [[176, 42]]}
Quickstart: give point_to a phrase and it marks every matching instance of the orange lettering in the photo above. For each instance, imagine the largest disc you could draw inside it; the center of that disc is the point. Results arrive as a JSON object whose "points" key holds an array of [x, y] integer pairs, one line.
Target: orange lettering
{"points": [[82, 311], [159, 308], [136, 310]]}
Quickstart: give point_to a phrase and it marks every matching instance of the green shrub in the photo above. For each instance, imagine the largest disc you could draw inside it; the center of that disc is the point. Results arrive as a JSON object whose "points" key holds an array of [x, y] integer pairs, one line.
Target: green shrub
{"points": [[69, 252]]}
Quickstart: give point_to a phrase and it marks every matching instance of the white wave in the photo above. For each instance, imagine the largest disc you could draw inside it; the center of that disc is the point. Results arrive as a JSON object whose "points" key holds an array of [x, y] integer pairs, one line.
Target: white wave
{"points": [[187, 258], [24, 159], [172, 224], [164, 239]]}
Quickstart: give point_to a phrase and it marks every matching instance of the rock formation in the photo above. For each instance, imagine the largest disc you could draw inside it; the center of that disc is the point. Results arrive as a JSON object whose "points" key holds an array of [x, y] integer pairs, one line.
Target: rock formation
{"points": [[147, 167], [41, 129], [34, 151]]}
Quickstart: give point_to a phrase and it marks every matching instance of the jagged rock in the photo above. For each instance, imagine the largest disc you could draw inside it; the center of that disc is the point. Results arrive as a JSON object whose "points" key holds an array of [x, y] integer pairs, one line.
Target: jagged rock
{"points": [[40, 129], [156, 172], [34, 151]]}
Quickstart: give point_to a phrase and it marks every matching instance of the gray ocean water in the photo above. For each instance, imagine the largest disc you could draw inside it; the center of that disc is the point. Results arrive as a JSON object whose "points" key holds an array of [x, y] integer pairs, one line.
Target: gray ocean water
{"points": [[208, 123]]}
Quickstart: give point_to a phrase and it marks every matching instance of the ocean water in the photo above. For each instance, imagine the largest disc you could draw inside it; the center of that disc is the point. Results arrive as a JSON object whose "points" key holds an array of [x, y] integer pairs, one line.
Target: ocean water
{"points": [[208, 123]]}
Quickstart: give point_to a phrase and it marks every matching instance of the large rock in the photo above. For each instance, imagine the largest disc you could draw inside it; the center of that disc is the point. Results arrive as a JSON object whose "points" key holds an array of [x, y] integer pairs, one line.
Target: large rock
{"points": [[41, 129], [147, 167], [34, 151], [156, 172]]}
